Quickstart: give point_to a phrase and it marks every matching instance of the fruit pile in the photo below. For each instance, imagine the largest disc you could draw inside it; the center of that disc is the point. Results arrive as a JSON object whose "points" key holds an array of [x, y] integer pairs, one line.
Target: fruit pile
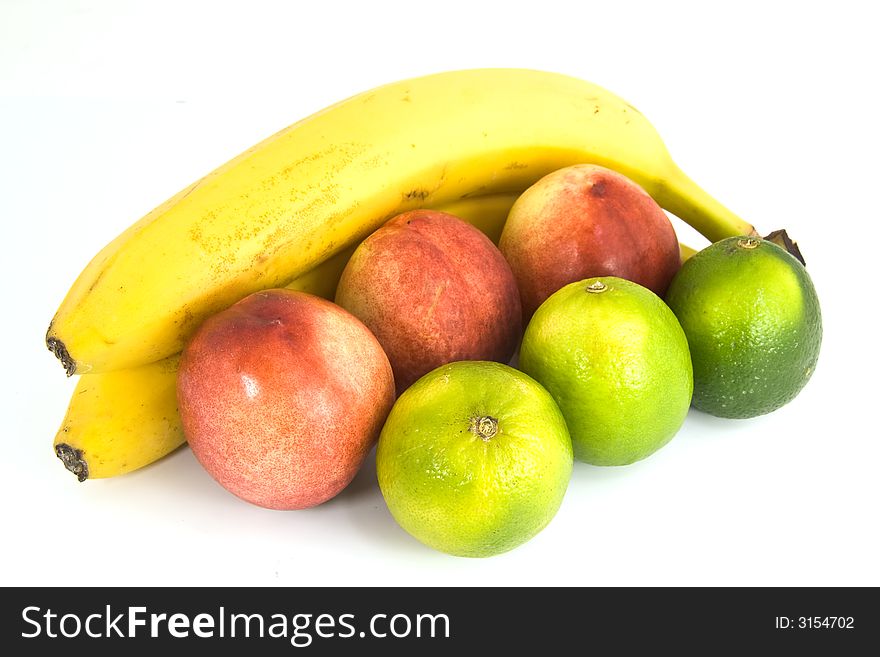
{"points": [[370, 274]]}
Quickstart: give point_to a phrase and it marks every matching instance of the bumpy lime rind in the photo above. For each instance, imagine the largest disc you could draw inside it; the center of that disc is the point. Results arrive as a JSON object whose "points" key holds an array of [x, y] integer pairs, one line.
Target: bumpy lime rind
{"points": [[754, 325], [618, 365], [460, 493]]}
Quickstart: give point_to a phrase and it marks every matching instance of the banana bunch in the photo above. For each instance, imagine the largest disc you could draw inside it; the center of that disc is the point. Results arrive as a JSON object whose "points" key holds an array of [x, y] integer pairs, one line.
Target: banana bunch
{"points": [[291, 210]]}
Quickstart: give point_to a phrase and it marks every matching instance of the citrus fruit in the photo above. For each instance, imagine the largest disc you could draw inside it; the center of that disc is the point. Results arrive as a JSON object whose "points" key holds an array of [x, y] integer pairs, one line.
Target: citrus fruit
{"points": [[615, 359], [752, 319], [474, 459]]}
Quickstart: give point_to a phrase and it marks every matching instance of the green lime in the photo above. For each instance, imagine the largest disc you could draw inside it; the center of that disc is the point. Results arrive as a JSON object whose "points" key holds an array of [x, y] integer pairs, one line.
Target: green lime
{"points": [[752, 319], [615, 359], [474, 459]]}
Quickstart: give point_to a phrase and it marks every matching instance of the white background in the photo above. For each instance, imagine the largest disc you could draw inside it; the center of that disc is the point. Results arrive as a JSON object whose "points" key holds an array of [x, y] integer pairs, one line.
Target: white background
{"points": [[108, 108]]}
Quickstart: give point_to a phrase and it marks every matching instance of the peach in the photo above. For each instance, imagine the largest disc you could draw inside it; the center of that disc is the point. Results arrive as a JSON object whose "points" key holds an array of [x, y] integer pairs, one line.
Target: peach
{"points": [[282, 396], [584, 221], [433, 289]]}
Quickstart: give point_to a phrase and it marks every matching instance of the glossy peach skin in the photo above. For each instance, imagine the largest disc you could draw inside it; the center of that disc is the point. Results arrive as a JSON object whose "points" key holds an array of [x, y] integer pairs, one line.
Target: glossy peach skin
{"points": [[282, 396], [433, 289], [584, 221]]}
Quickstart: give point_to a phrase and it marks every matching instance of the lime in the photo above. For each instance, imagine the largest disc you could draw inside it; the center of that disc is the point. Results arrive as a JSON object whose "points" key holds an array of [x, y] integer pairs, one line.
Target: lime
{"points": [[615, 359], [474, 459], [752, 319]]}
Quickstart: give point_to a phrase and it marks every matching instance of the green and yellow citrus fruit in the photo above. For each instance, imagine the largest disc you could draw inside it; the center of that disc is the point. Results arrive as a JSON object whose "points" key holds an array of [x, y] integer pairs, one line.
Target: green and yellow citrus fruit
{"points": [[752, 319], [474, 459], [616, 360]]}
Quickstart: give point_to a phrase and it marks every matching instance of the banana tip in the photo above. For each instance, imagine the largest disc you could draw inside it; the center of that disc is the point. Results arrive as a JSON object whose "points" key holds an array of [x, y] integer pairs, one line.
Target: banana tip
{"points": [[73, 460], [57, 347]]}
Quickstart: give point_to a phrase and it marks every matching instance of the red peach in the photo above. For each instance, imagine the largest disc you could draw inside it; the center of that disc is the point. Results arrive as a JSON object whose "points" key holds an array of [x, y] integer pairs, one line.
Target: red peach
{"points": [[584, 221], [282, 396], [433, 289]]}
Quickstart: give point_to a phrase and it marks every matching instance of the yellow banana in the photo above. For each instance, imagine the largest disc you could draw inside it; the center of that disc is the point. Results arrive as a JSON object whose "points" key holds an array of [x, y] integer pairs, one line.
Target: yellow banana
{"points": [[686, 251], [123, 420], [326, 182], [488, 213], [120, 421]]}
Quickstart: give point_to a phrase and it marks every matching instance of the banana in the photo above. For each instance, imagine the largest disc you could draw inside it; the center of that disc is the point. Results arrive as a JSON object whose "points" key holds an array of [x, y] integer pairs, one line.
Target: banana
{"points": [[686, 251], [326, 182], [122, 420], [488, 213]]}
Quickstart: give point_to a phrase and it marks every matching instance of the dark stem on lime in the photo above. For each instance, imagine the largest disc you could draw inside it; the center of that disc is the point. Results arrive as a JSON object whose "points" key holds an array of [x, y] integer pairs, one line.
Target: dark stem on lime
{"points": [[484, 427], [73, 460]]}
